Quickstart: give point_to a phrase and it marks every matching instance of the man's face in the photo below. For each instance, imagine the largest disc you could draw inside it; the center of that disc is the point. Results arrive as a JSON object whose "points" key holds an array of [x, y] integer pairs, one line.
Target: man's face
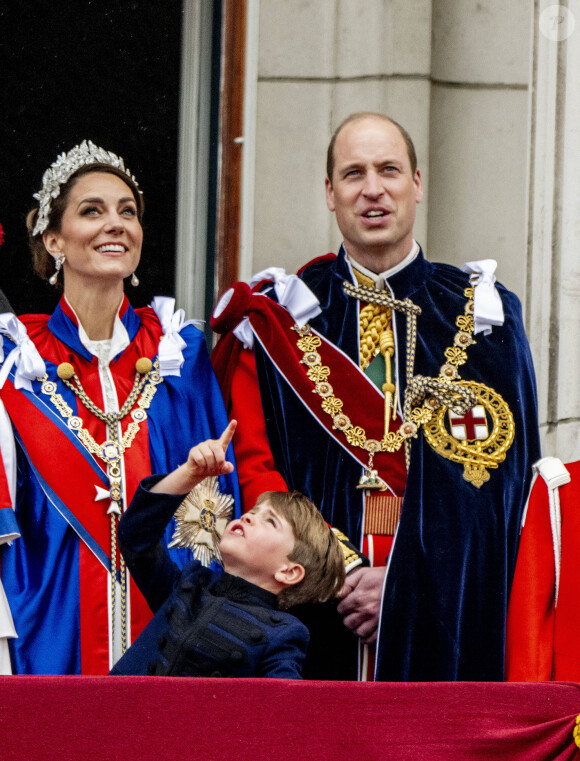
{"points": [[374, 192], [256, 546]]}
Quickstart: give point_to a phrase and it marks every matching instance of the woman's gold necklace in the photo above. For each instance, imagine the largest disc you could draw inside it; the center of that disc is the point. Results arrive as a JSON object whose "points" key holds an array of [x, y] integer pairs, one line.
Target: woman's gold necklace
{"points": [[110, 451]]}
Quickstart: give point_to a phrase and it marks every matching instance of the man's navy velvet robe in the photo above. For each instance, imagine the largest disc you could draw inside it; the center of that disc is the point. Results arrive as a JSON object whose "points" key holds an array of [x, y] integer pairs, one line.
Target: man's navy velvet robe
{"points": [[449, 574]]}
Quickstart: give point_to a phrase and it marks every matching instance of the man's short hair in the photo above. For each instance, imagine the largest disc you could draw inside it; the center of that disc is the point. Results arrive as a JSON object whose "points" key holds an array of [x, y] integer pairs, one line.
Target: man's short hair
{"points": [[364, 115], [316, 548]]}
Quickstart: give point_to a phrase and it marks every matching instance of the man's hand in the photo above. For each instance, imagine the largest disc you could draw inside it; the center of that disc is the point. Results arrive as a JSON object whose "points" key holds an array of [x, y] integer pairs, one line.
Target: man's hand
{"points": [[361, 602], [208, 458]]}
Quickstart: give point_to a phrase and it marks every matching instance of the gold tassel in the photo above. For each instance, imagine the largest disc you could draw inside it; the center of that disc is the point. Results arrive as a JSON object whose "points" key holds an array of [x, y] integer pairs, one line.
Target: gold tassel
{"points": [[387, 347]]}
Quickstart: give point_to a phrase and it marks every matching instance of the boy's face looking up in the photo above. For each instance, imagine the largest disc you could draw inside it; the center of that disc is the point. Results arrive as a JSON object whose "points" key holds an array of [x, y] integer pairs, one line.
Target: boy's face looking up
{"points": [[256, 547]]}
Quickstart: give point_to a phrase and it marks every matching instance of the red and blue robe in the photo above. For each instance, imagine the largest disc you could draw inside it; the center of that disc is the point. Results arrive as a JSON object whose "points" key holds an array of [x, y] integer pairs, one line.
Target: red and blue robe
{"points": [[56, 574]]}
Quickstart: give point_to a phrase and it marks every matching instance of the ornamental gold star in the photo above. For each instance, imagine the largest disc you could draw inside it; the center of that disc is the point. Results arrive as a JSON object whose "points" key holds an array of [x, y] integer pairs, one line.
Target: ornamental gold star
{"points": [[201, 519]]}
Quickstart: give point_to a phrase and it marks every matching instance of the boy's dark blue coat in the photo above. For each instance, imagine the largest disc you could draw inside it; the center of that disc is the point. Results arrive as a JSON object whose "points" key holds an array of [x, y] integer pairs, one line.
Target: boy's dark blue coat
{"points": [[206, 623]]}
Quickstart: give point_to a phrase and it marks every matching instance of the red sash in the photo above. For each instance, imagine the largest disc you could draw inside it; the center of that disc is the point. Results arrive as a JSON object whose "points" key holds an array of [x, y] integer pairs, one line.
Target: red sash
{"points": [[363, 403], [63, 469]]}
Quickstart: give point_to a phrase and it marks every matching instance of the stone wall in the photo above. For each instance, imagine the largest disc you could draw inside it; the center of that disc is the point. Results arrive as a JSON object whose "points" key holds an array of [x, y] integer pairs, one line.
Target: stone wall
{"points": [[489, 91]]}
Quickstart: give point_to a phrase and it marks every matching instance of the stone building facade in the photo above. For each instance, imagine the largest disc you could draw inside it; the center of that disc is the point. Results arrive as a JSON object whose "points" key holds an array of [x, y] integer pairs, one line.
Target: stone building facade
{"points": [[490, 93]]}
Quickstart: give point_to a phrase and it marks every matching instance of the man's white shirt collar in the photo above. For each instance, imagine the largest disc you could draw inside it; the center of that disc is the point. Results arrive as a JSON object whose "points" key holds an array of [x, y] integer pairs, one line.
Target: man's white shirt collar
{"points": [[380, 278]]}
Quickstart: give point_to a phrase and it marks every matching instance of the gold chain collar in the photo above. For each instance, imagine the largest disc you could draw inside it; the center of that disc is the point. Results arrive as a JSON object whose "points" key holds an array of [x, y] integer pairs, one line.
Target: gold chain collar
{"points": [[422, 395], [110, 452]]}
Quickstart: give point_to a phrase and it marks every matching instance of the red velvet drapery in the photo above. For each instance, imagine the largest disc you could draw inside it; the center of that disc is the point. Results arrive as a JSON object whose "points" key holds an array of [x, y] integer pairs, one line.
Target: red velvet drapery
{"points": [[142, 718]]}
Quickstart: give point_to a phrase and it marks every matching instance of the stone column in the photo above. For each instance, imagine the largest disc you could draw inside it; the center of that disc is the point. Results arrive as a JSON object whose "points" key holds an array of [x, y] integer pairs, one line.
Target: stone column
{"points": [[479, 133], [553, 282]]}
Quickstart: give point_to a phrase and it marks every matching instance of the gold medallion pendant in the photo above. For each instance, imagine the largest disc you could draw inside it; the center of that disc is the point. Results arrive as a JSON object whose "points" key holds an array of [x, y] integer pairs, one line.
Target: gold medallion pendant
{"points": [[479, 439]]}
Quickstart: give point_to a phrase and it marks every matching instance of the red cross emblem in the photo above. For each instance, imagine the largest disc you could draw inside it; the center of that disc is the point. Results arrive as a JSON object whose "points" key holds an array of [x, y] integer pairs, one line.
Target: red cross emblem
{"points": [[471, 426]]}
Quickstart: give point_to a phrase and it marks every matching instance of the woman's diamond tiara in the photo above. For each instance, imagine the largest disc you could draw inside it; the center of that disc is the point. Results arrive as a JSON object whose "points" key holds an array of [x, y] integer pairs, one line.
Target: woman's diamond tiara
{"points": [[63, 168]]}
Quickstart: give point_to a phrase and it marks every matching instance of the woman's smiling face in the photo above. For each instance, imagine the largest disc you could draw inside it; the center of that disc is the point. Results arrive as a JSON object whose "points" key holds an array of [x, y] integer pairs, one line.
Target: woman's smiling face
{"points": [[100, 233]]}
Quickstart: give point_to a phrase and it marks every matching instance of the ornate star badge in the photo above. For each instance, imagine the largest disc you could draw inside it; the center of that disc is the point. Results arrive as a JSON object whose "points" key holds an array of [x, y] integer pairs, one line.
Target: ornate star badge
{"points": [[201, 519]]}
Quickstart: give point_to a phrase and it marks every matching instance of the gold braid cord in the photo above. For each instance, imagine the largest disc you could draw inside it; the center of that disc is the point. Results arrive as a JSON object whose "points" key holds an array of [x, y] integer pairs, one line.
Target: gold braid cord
{"points": [[377, 337], [426, 399], [374, 321]]}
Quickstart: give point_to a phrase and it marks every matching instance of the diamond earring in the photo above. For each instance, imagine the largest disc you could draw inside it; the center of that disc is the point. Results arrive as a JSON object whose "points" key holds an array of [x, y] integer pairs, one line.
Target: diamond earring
{"points": [[58, 262]]}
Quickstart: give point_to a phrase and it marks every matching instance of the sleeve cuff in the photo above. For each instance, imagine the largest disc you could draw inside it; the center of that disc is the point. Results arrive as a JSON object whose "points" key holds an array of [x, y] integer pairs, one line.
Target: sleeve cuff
{"points": [[146, 484]]}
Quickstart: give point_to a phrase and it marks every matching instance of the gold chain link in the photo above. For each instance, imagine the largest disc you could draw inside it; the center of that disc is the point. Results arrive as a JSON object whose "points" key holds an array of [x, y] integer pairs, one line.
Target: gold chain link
{"points": [[143, 391]]}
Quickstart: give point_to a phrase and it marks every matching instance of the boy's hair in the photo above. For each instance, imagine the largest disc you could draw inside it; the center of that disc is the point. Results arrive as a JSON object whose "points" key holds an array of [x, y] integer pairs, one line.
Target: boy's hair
{"points": [[316, 548]]}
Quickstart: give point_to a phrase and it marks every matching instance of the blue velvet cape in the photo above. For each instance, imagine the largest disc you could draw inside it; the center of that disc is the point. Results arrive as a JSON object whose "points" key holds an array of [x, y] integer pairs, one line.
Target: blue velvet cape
{"points": [[444, 606]]}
